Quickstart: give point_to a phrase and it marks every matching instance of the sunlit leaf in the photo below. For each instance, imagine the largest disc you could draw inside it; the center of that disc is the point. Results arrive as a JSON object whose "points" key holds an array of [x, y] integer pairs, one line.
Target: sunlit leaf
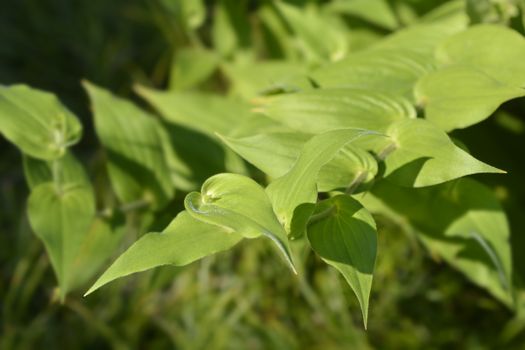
{"points": [[181, 243], [238, 204], [457, 97], [298, 185]]}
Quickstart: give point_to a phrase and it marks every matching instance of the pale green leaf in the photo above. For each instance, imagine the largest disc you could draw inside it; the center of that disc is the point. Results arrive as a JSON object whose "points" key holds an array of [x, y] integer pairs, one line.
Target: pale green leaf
{"points": [[61, 217], [298, 185], [202, 112], [418, 154], [319, 37], [327, 109], [137, 164], [458, 96], [275, 153], [238, 204], [492, 49], [343, 234], [37, 122], [182, 242]]}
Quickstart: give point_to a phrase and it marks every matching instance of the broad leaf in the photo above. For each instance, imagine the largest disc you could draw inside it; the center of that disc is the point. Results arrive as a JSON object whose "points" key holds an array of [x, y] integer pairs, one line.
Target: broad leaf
{"points": [[343, 234], [419, 154], [36, 122], [298, 185], [205, 113], [492, 49], [460, 221], [377, 12], [182, 242], [238, 204], [457, 97], [132, 138], [275, 154], [61, 217], [327, 109]]}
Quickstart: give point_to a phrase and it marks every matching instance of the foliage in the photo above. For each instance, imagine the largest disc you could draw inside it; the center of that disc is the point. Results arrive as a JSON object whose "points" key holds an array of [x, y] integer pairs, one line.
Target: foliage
{"points": [[300, 122]]}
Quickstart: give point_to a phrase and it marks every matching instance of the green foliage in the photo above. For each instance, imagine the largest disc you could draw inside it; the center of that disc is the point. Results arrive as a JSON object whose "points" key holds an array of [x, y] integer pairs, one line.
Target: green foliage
{"points": [[343, 107]]}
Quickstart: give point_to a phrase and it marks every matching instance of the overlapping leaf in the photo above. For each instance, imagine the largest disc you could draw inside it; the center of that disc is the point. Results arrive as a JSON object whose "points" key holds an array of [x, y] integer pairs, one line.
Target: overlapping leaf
{"points": [[238, 204], [460, 221], [298, 185], [327, 109], [136, 161]]}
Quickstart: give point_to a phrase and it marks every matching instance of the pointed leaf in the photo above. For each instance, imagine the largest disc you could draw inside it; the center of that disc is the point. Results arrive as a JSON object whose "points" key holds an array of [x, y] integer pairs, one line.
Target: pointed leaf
{"points": [[419, 154], [343, 234], [137, 165], [36, 122], [238, 204], [191, 67], [184, 241]]}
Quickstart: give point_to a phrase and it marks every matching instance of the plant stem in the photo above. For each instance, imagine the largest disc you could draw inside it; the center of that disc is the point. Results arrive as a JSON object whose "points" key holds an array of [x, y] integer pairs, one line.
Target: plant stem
{"points": [[358, 180]]}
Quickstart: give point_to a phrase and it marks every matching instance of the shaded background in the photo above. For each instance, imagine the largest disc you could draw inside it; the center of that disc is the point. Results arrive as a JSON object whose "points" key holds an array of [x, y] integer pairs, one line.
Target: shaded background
{"points": [[417, 302]]}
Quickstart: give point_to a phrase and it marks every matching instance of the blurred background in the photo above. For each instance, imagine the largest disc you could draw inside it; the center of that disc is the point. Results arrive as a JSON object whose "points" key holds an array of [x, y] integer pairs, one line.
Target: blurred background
{"points": [[240, 299]]}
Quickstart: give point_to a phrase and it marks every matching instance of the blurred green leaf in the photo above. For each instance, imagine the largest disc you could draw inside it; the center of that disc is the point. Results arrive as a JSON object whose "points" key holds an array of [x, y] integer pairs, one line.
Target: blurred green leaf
{"points": [[238, 204], [182, 242], [343, 234], [61, 217], [67, 170], [192, 66], [377, 12], [137, 164], [37, 122], [460, 221]]}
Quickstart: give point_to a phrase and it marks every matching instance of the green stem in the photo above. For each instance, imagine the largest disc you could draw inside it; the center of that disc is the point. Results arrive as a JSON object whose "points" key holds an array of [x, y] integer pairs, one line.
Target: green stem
{"points": [[358, 180]]}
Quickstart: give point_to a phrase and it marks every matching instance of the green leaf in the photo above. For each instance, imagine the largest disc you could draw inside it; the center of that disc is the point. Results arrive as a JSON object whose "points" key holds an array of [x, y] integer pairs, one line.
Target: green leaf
{"points": [[457, 97], [238, 204], [460, 221], [37, 122], [419, 154], [377, 12], [275, 153], [206, 113], [393, 71], [327, 109], [67, 170], [343, 234], [191, 67], [61, 218], [182, 242], [494, 50], [298, 185], [318, 35], [137, 164]]}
